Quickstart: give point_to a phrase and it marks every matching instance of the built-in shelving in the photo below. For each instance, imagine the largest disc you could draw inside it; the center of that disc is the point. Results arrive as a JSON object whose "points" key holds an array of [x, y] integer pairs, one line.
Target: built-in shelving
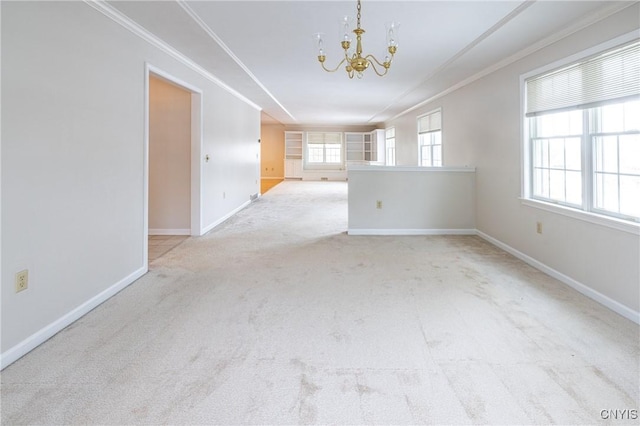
{"points": [[293, 155], [293, 145], [364, 147]]}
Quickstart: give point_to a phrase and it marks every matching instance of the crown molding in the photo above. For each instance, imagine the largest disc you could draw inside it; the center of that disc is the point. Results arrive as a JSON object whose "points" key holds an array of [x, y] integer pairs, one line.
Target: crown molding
{"points": [[206, 28], [495, 27], [591, 19], [118, 17]]}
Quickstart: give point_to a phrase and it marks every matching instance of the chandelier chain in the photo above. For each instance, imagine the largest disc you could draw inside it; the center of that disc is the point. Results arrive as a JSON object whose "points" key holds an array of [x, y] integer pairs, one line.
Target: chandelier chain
{"points": [[359, 7]]}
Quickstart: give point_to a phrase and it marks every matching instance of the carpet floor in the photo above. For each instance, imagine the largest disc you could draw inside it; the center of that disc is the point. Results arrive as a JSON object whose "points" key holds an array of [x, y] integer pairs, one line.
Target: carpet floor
{"points": [[278, 317]]}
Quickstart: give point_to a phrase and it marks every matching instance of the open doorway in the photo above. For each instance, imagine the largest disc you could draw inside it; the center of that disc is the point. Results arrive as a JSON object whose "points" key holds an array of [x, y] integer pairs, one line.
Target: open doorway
{"points": [[174, 140], [271, 152]]}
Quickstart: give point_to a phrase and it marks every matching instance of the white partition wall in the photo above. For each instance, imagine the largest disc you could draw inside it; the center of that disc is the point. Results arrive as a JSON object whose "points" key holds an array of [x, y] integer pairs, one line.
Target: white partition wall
{"points": [[411, 200]]}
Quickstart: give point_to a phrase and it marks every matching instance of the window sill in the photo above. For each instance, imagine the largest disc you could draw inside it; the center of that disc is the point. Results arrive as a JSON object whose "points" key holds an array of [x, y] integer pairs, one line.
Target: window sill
{"points": [[609, 222]]}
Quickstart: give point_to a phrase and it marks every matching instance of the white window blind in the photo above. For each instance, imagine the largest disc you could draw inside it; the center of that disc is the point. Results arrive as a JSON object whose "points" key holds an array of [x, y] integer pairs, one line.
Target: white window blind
{"points": [[390, 133], [318, 137], [324, 148], [611, 76], [430, 122]]}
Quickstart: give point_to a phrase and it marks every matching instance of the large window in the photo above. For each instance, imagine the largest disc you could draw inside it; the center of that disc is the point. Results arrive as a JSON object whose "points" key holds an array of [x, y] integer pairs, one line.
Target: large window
{"points": [[324, 148], [584, 134], [390, 146], [430, 139]]}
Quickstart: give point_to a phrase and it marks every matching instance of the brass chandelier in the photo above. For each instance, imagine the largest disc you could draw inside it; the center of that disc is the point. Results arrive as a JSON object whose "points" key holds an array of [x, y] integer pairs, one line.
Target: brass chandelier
{"points": [[356, 63]]}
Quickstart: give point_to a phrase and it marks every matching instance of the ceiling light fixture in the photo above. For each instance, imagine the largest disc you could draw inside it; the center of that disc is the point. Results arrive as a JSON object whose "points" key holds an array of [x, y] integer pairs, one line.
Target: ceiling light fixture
{"points": [[356, 63]]}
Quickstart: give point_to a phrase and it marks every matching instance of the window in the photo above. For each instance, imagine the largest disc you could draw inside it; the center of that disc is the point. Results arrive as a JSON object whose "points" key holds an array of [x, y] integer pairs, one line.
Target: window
{"points": [[557, 157], [324, 148], [430, 139], [583, 143], [615, 141], [390, 146]]}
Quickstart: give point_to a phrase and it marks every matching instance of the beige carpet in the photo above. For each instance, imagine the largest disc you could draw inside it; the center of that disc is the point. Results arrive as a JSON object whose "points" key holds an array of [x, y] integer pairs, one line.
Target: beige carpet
{"points": [[279, 317]]}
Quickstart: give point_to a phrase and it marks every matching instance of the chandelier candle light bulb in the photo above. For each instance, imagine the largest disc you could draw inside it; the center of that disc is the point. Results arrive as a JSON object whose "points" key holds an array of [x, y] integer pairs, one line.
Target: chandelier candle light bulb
{"points": [[356, 64]]}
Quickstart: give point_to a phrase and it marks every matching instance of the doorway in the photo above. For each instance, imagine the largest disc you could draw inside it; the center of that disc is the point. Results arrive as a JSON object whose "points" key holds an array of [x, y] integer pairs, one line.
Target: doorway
{"points": [[271, 153], [173, 171]]}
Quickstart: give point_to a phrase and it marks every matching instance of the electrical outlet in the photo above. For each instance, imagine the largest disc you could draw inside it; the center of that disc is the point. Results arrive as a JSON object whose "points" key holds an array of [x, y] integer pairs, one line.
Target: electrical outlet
{"points": [[22, 280], [378, 204], [539, 227]]}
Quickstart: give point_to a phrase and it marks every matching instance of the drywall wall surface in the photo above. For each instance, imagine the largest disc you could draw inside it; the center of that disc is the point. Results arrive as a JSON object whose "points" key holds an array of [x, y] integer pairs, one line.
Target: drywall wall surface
{"points": [[482, 128], [73, 160], [272, 151], [411, 200], [169, 158], [231, 130]]}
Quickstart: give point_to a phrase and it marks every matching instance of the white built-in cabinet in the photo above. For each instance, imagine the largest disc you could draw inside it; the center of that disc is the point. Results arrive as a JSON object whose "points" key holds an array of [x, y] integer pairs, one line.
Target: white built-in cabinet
{"points": [[364, 147], [292, 169], [293, 155]]}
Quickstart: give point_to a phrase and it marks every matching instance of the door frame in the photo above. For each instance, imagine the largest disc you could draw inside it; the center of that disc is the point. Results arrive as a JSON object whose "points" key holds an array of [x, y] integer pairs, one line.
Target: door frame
{"points": [[196, 152]]}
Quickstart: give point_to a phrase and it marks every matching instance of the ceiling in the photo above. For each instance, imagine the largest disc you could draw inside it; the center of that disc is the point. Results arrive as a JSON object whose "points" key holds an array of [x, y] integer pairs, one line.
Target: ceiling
{"points": [[264, 49]]}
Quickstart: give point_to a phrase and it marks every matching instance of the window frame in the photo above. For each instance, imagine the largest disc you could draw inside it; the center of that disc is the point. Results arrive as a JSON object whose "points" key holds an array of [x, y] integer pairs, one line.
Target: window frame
{"points": [[323, 165], [586, 213], [430, 134], [593, 168], [387, 147], [583, 163]]}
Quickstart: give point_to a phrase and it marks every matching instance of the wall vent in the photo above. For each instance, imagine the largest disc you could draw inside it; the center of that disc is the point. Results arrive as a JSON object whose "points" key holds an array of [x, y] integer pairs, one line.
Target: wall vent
{"points": [[324, 178]]}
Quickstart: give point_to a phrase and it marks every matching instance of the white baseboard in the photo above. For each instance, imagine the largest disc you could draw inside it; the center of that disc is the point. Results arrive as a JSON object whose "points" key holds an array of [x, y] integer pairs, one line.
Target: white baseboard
{"points": [[169, 231], [578, 286], [225, 217], [44, 334], [411, 231]]}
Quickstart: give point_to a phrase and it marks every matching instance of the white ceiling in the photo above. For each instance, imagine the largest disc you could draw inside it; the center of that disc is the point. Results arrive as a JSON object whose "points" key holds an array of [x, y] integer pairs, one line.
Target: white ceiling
{"points": [[264, 49]]}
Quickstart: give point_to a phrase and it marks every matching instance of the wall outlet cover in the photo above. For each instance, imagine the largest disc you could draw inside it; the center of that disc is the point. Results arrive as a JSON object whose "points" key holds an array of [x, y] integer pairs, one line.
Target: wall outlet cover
{"points": [[22, 280]]}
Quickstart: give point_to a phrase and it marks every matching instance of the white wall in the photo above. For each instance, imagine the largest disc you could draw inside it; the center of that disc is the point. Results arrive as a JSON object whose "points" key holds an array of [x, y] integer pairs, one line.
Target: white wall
{"points": [[413, 200], [73, 131], [481, 127], [169, 159]]}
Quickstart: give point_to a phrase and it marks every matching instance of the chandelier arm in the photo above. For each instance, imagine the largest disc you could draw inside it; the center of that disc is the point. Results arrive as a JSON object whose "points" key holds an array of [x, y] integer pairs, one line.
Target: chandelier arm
{"points": [[336, 68], [375, 69], [377, 72], [372, 59]]}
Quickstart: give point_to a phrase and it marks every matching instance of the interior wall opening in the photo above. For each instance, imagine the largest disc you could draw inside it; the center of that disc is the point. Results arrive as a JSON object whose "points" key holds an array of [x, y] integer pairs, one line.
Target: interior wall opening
{"points": [[170, 140]]}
